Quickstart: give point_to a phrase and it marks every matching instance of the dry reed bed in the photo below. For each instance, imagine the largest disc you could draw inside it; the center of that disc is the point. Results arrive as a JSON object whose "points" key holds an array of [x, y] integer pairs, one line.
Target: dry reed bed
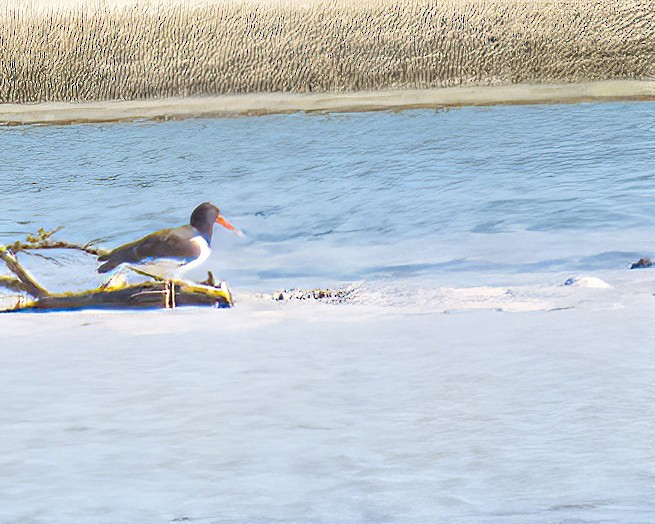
{"points": [[84, 51]]}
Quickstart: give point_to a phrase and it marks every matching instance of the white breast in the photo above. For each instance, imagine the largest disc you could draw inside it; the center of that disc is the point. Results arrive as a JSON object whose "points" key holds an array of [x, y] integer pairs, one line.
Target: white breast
{"points": [[205, 251]]}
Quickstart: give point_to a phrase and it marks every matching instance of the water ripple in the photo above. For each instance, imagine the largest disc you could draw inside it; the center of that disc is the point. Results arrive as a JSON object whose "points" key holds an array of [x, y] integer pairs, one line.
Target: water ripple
{"points": [[416, 185]]}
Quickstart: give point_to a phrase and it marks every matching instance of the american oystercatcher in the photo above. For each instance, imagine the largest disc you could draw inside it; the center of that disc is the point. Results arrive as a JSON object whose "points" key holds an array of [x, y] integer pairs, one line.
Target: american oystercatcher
{"points": [[170, 253]]}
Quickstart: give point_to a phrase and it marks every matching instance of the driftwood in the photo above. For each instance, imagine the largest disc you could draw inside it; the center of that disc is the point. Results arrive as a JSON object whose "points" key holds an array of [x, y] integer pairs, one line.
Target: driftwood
{"points": [[163, 295], [150, 294]]}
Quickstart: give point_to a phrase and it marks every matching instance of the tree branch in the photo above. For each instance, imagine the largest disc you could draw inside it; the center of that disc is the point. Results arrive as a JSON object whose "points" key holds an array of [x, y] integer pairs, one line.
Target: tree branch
{"points": [[30, 285], [11, 283], [42, 240]]}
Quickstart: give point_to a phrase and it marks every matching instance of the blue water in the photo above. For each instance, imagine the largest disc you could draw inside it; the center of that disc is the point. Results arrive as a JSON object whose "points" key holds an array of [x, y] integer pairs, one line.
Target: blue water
{"points": [[312, 413], [464, 195]]}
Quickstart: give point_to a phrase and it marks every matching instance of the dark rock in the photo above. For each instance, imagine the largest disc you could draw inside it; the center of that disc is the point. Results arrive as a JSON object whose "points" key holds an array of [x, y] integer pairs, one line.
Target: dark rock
{"points": [[643, 262]]}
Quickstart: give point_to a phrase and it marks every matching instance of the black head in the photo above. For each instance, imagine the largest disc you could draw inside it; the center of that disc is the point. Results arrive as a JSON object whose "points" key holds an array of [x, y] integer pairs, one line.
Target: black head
{"points": [[204, 217]]}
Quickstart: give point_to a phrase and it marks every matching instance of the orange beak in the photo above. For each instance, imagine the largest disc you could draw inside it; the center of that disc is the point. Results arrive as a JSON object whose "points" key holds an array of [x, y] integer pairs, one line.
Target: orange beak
{"points": [[220, 220]]}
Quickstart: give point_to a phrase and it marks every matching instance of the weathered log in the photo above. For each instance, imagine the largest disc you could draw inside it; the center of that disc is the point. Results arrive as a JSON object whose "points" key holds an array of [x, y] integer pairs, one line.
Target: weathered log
{"points": [[158, 295]]}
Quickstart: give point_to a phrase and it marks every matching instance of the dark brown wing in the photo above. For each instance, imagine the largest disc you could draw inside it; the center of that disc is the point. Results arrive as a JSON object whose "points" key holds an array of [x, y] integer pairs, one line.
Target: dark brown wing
{"points": [[173, 243]]}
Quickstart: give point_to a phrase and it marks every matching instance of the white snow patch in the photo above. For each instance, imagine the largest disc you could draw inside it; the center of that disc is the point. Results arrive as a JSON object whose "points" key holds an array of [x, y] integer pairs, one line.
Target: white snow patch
{"points": [[585, 281]]}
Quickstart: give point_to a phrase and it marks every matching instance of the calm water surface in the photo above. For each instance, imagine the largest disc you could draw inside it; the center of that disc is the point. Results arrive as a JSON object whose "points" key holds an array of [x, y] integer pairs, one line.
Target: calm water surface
{"points": [[462, 195]]}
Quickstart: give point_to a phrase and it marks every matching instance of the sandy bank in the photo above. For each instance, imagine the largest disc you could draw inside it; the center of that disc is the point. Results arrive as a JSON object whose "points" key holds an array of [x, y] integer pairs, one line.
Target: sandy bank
{"points": [[272, 103], [84, 51]]}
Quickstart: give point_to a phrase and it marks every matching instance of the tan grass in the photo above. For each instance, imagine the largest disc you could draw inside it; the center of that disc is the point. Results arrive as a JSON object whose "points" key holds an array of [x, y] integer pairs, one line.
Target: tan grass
{"points": [[82, 50]]}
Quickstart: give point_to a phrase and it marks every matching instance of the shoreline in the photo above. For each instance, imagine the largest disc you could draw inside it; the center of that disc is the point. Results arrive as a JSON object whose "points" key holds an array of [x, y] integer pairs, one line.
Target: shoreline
{"points": [[258, 104]]}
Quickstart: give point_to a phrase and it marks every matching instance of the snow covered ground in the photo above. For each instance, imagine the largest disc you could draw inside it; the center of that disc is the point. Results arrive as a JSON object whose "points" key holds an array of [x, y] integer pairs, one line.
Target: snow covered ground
{"points": [[310, 412]]}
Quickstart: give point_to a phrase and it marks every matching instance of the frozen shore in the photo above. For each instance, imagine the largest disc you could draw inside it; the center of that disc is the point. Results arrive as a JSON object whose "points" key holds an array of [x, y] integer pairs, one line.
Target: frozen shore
{"points": [[306, 412], [277, 103]]}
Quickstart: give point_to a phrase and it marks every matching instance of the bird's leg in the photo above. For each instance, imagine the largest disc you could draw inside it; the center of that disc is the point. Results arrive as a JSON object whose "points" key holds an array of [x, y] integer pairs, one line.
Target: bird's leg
{"points": [[172, 284], [167, 294]]}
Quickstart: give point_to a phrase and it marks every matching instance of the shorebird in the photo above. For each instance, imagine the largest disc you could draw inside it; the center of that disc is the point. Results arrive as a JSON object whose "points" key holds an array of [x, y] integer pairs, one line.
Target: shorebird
{"points": [[170, 253]]}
